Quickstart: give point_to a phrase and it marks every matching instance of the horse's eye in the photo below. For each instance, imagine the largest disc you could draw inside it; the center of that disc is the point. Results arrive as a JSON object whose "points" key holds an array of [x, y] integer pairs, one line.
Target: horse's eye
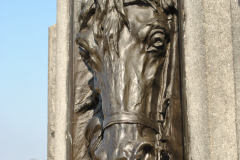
{"points": [[158, 39]]}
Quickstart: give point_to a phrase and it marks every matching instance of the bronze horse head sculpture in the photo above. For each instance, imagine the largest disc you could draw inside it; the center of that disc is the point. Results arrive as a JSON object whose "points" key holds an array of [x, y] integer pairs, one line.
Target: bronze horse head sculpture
{"points": [[128, 45]]}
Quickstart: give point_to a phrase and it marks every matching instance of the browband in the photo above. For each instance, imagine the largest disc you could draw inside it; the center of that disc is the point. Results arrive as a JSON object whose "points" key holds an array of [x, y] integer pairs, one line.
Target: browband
{"points": [[130, 118]]}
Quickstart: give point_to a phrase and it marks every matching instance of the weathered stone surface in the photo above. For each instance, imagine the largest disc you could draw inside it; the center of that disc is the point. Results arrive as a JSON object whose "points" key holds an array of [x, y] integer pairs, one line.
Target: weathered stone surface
{"points": [[51, 90], [196, 80], [210, 84], [62, 134], [235, 14], [220, 80]]}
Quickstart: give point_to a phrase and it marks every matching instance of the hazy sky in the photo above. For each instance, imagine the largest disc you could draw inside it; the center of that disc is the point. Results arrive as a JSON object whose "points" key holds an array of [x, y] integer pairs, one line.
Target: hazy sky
{"points": [[23, 77]]}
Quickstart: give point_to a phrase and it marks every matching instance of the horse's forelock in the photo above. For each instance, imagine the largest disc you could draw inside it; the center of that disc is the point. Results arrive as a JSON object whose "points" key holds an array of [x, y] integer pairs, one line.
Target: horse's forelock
{"points": [[106, 7], [109, 21]]}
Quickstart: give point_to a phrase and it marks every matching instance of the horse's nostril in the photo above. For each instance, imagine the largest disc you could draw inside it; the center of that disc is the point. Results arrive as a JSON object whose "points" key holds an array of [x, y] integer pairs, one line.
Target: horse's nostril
{"points": [[148, 149], [144, 150]]}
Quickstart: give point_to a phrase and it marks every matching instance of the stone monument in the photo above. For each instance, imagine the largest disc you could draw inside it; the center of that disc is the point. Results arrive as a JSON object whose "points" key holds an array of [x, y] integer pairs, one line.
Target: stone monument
{"points": [[144, 80]]}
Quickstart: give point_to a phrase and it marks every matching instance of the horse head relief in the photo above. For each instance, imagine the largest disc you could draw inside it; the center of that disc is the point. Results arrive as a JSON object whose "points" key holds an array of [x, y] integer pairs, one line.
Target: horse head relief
{"points": [[130, 47]]}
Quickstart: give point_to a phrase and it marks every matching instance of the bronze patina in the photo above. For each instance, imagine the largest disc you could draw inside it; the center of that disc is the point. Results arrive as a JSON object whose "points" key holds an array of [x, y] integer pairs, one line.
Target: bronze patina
{"points": [[131, 49]]}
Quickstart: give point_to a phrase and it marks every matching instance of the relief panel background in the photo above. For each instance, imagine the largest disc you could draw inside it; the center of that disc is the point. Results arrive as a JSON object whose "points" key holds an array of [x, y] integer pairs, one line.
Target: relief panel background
{"points": [[81, 90]]}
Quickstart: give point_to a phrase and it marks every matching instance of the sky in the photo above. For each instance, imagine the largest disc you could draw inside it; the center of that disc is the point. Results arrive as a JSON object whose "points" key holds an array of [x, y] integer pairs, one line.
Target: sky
{"points": [[24, 77]]}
